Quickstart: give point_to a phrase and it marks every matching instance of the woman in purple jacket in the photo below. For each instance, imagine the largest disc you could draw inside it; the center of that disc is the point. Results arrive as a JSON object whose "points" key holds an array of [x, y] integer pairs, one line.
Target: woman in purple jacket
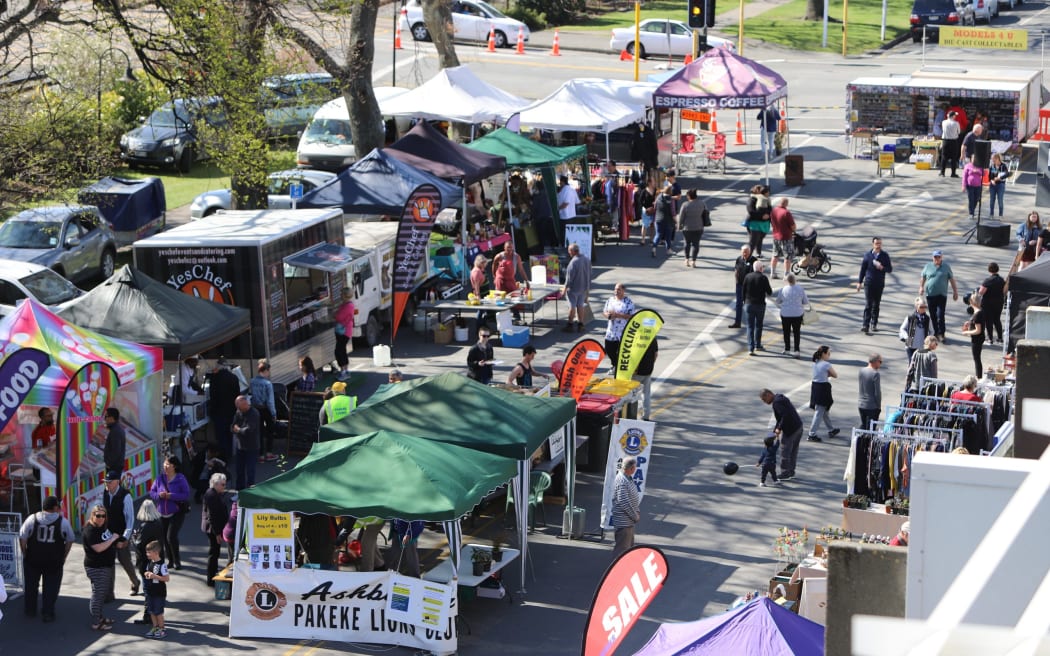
{"points": [[229, 531], [171, 493]]}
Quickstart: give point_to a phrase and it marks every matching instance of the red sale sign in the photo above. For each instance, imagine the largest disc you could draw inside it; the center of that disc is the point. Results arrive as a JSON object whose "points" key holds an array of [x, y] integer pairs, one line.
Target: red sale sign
{"points": [[629, 585]]}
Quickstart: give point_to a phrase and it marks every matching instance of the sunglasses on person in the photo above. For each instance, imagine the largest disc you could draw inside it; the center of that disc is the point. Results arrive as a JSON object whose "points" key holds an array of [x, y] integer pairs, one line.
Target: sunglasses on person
{"points": [[484, 335], [103, 515]]}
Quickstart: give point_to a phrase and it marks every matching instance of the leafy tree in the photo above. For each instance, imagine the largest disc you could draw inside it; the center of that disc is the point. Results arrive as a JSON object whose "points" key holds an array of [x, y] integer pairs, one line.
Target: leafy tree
{"points": [[557, 12]]}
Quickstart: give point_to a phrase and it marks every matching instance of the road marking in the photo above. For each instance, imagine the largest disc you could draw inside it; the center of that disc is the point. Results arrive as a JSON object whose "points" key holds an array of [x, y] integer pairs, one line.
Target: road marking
{"points": [[892, 205], [297, 647], [319, 644]]}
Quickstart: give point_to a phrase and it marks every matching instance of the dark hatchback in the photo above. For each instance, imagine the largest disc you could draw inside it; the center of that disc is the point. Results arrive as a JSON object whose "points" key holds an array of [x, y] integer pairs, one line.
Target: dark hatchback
{"points": [[933, 14], [168, 138]]}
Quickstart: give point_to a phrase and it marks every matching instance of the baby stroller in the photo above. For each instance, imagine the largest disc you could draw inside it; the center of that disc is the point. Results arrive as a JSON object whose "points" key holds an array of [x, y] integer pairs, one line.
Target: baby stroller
{"points": [[809, 255]]}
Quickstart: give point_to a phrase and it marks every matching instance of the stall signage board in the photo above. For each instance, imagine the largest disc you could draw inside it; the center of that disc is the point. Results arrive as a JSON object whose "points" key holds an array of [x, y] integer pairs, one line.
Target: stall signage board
{"points": [[303, 421], [580, 234], [10, 552], [694, 115], [270, 542], [418, 602], [631, 437], [984, 38], [332, 606]]}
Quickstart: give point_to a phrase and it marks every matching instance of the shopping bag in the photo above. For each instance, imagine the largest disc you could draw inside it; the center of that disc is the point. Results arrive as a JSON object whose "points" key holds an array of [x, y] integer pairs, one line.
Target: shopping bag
{"points": [[810, 317]]}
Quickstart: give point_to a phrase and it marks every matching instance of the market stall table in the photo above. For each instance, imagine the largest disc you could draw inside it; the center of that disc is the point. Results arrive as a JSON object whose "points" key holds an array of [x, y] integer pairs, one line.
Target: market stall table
{"points": [[540, 294], [465, 577], [874, 521]]}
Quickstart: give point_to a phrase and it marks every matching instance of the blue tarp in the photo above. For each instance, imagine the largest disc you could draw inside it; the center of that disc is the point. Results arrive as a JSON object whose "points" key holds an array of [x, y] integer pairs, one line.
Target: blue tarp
{"points": [[134, 208], [378, 184]]}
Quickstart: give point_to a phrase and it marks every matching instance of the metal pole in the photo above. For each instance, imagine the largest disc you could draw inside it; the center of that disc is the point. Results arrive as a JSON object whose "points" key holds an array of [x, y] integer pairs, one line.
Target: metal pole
{"points": [[845, 21], [637, 35], [882, 30], [98, 101], [740, 30], [924, 45], [393, 48], [824, 34]]}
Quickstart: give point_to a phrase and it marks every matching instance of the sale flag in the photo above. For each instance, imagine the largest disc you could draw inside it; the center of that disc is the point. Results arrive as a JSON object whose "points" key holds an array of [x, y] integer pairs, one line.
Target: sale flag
{"points": [[18, 374], [413, 242], [626, 590], [89, 392], [639, 333], [580, 364]]}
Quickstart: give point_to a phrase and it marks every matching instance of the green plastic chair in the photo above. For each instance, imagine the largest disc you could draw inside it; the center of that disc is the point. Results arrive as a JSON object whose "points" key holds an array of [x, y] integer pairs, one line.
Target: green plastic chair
{"points": [[539, 482]]}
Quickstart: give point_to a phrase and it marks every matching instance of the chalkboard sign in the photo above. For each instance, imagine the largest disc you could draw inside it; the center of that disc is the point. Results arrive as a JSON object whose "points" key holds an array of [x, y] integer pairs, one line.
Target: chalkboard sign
{"points": [[303, 421]]}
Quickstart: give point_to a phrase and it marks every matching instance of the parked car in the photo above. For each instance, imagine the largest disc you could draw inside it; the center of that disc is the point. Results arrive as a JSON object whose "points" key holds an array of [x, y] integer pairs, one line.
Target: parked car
{"points": [[21, 280], [931, 14], [985, 10], [211, 202], [290, 101], [656, 33], [72, 240], [472, 21], [168, 137]]}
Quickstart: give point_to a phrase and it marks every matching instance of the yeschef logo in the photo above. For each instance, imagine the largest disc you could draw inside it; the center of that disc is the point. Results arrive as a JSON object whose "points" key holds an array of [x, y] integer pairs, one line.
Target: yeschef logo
{"points": [[202, 281], [265, 601], [423, 211], [633, 441], [206, 290]]}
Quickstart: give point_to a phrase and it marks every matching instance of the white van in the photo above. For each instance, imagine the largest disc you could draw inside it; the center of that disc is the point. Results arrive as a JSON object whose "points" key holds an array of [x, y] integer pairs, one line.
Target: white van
{"points": [[326, 143]]}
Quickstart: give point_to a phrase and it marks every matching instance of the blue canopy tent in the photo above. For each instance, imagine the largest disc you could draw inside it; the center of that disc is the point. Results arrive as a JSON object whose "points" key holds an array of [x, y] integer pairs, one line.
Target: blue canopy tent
{"points": [[133, 208], [378, 184]]}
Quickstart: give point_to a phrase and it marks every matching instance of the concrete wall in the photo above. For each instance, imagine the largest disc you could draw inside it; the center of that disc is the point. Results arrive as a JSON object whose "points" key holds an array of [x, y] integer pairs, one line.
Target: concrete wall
{"points": [[866, 579], [1033, 382]]}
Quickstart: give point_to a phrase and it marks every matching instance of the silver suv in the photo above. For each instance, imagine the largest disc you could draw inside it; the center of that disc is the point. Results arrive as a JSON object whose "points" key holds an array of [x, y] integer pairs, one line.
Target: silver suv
{"points": [[73, 240]]}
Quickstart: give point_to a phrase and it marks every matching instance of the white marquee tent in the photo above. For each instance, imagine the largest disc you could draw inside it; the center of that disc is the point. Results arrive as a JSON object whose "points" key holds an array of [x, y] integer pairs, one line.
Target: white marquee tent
{"points": [[456, 94], [591, 104]]}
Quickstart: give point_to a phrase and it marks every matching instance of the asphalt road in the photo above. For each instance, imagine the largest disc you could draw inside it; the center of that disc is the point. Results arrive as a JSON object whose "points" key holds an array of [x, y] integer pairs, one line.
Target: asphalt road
{"points": [[717, 531]]}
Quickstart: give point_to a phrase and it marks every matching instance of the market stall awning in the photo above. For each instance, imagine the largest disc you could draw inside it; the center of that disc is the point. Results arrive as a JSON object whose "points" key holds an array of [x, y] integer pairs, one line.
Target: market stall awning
{"points": [[385, 474], [331, 258], [521, 151], [428, 150], [133, 306], [590, 104], [456, 94], [721, 80]]}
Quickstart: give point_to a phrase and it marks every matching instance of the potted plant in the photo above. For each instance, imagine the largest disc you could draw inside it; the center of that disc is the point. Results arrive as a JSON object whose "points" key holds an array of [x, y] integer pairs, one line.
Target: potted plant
{"points": [[897, 506], [858, 501], [497, 547], [482, 561]]}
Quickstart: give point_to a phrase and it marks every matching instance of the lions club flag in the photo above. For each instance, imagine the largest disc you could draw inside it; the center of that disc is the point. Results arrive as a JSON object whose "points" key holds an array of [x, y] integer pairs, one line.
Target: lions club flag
{"points": [[639, 333]]}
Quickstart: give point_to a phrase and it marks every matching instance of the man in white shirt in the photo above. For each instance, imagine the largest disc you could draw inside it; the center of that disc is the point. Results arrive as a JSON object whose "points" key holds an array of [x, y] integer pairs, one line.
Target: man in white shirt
{"points": [[950, 130], [567, 199]]}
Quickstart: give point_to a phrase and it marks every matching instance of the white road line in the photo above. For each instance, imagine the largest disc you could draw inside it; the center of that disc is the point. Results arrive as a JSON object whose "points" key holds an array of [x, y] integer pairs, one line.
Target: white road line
{"points": [[703, 337], [896, 204]]}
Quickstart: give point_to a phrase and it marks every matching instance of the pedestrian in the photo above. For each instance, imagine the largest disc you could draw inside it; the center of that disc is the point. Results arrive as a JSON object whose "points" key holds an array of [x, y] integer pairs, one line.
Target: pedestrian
{"points": [[756, 289], [745, 263], [664, 218], [644, 375], [344, 330], [223, 389], [148, 528], [936, 276], [44, 433], [993, 297], [968, 151], [869, 392], [793, 303], [245, 429], [692, 218], [338, 406], [923, 364], [768, 460], [307, 375], [394, 376], [820, 397], [618, 309], [783, 225], [45, 539], [626, 511], [229, 533], [568, 199], [188, 389], [116, 442], [974, 329], [99, 554], [788, 427], [644, 203], [577, 288], [261, 390], [769, 122], [171, 493], [972, 184], [480, 287], [506, 266], [873, 269], [611, 192], [967, 391], [901, 539], [759, 211], [998, 172], [480, 358], [950, 131], [523, 374], [1028, 235], [120, 508], [915, 327], [213, 521], [369, 530], [404, 554], [156, 578]]}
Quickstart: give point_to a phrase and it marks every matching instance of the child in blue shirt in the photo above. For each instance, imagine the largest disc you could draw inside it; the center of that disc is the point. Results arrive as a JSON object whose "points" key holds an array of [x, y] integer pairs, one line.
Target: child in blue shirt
{"points": [[768, 460]]}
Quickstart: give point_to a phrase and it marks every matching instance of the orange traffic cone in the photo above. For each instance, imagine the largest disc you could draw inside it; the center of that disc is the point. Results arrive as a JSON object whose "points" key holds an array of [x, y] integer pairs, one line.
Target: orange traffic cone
{"points": [[688, 59], [984, 180], [783, 125], [397, 29], [555, 50], [626, 56], [714, 121], [740, 141], [520, 50], [492, 39]]}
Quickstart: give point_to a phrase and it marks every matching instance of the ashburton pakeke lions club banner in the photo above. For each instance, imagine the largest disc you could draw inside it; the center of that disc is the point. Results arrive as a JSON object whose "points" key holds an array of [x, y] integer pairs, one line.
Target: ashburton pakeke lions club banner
{"points": [[413, 240], [89, 392], [639, 333], [580, 364]]}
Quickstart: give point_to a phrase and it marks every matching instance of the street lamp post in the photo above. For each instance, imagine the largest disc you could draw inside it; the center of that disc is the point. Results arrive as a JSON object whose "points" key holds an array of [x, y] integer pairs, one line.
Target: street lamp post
{"points": [[128, 73]]}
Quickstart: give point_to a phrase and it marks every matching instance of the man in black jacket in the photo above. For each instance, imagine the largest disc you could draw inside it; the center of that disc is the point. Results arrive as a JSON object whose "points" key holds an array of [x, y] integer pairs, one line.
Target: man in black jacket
{"points": [[743, 266], [116, 443], [480, 358], [788, 427], [120, 509], [222, 394], [756, 289]]}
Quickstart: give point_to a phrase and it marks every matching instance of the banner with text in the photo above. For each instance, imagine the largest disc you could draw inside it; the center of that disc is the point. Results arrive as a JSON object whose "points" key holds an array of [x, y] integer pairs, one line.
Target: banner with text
{"points": [[626, 590], [413, 243], [271, 545], [581, 235], [985, 38], [630, 437], [580, 364], [19, 372], [639, 333], [332, 606]]}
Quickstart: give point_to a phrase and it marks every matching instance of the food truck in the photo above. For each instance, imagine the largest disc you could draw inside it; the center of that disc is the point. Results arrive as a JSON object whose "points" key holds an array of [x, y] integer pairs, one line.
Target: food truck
{"points": [[287, 267]]}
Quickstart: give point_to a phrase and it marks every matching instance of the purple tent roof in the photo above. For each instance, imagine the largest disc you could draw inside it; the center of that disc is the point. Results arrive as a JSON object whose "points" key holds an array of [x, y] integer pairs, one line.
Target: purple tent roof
{"points": [[760, 628], [428, 150], [721, 80]]}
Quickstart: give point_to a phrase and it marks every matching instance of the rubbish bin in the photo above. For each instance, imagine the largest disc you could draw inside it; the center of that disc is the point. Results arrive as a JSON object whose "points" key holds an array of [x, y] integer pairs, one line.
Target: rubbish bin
{"points": [[793, 171], [598, 429]]}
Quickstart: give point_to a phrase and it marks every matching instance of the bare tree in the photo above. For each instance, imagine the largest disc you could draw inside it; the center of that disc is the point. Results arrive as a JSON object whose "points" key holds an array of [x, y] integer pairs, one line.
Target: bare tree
{"points": [[437, 14], [814, 10]]}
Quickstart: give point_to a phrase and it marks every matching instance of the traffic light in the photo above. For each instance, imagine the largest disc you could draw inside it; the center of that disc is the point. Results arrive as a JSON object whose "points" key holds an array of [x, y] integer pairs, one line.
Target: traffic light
{"points": [[709, 13], [696, 13]]}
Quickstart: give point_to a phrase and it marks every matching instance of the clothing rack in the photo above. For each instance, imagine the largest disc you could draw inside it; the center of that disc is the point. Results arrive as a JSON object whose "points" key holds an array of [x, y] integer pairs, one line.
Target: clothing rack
{"points": [[939, 399], [952, 435], [939, 413], [875, 471], [878, 434]]}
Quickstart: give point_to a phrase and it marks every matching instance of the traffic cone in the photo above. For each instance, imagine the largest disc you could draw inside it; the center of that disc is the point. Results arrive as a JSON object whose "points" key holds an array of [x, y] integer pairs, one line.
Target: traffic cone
{"points": [[740, 141], [520, 50], [984, 180], [397, 29], [783, 125], [688, 59], [714, 121], [626, 56], [555, 50], [492, 39]]}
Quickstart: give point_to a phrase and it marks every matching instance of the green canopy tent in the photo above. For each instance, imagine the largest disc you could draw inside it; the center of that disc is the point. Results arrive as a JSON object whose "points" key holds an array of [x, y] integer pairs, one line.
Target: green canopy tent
{"points": [[456, 410], [522, 152], [388, 475]]}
